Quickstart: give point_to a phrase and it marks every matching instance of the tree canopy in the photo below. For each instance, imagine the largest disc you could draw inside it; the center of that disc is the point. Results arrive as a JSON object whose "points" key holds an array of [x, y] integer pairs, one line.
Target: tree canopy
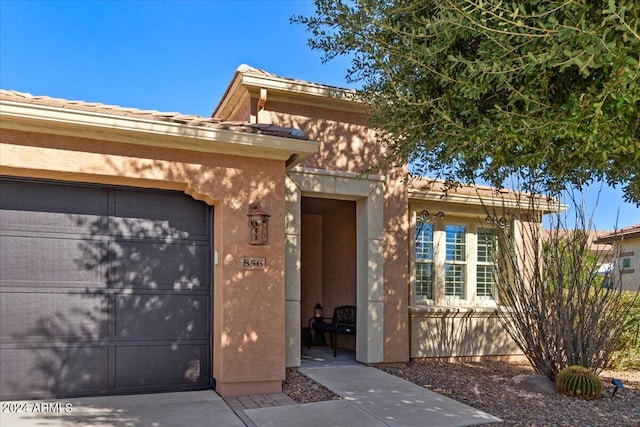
{"points": [[485, 89]]}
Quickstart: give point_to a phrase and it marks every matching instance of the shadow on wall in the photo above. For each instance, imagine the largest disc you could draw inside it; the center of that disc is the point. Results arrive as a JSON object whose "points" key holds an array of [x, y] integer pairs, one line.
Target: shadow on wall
{"points": [[114, 283], [120, 296], [455, 333], [346, 141], [250, 296], [347, 144]]}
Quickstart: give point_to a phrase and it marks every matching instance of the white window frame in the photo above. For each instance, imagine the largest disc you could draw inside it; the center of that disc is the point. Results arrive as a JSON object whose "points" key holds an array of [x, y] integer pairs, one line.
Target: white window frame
{"points": [[423, 261], [469, 297], [461, 264], [485, 264]]}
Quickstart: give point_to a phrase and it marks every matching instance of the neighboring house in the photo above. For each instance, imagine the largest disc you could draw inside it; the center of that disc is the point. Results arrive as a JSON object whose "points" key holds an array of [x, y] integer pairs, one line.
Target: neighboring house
{"points": [[626, 249], [126, 262], [602, 252]]}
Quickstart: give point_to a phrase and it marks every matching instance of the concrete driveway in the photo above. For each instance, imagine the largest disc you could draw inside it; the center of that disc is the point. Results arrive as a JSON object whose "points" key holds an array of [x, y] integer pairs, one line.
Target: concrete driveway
{"points": [[193, 408]]}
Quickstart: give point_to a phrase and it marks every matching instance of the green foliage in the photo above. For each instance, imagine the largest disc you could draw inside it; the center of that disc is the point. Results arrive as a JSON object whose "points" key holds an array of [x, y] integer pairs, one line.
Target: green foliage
{"points": [[627, 351], [568, 261], [579, 382], [485, 89]]}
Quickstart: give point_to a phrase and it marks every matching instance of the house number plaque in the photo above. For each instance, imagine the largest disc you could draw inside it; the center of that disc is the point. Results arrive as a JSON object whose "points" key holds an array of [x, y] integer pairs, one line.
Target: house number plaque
{"points": [[253, 263]]}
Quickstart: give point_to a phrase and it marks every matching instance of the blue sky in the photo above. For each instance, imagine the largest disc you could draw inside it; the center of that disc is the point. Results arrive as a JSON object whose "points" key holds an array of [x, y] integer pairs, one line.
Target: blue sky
{"points": [[174, 56]]}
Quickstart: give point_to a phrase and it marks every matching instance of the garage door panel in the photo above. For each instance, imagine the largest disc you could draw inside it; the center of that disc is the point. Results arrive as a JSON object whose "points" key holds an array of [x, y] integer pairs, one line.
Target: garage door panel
{"points": [[47, 317], [135, 228], [88, 225], [149, 366], [53, 371], [103, 290], [51, 207], [160, 317], [148, 210], [49, 261], [150, 265]]}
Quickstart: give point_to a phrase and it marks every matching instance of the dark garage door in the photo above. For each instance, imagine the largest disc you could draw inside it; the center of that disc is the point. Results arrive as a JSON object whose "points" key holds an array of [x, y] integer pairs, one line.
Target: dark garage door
{"points": [[103, 290]]}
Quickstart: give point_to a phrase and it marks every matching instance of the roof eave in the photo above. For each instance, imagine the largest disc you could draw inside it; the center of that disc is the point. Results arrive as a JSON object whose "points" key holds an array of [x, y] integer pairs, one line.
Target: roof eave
{"points": [[229, 91], [543, 206], [618, 236], [132, 130], [244, 77], [299, 87]]}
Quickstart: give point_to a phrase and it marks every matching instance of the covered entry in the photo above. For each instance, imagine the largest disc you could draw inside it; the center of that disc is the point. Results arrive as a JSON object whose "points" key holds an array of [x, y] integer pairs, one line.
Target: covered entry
{"points": [[366, 196], [328, 258], [103, 290]]}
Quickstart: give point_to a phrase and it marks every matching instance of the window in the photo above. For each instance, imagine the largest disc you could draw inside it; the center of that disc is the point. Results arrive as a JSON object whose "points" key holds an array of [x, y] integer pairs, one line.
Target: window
{"points": [[424, 261], [626, 262], [454, 262], [486, 255]]}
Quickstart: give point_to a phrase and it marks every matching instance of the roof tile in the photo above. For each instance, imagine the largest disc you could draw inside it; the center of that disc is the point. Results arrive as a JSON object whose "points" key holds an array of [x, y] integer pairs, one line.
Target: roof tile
{"points": [[173, 117]]}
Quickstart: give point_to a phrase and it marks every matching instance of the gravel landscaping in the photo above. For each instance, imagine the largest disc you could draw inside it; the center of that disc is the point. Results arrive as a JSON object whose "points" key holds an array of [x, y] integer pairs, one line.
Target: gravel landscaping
{"points": [[303, 389], [486, 386]]}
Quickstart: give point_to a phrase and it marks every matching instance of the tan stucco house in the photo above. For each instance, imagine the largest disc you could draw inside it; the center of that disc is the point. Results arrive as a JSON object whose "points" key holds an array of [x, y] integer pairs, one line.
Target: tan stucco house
{"points": [[626, 250], [126, 261]]}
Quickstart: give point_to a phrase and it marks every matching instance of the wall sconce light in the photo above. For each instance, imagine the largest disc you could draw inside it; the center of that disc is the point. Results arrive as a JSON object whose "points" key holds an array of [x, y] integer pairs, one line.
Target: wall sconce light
{"points": [[501, 222], [258, 224], [318, 313], [425, 217]]}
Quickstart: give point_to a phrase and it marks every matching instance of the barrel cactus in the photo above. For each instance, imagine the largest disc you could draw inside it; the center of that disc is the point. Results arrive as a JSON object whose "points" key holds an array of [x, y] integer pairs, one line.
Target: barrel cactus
{"points": [[579, 381]]}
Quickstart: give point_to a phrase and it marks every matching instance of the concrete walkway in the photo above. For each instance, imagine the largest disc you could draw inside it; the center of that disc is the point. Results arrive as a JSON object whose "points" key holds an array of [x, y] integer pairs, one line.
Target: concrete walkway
{"points": [[371, 398], [190, 408]]}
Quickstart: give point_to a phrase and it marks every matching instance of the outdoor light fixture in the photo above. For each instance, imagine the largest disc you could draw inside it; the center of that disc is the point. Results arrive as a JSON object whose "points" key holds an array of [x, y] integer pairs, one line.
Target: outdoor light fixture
{"points": [[426, 217], [318, 312], [501, 222], [258, 225], [617, 385]]}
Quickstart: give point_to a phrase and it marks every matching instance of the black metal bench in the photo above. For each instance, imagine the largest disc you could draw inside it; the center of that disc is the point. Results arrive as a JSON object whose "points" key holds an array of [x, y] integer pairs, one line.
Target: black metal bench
{"points": [[343, 322]]}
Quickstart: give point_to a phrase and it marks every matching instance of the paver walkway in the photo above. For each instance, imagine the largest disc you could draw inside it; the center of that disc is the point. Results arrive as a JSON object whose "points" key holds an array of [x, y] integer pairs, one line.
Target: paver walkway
{"points": [[253, 401]]}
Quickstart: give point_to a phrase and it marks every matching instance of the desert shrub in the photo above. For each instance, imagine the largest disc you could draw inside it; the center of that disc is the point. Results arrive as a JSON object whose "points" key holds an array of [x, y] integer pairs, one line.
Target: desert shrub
{"points": [[552, 300]]}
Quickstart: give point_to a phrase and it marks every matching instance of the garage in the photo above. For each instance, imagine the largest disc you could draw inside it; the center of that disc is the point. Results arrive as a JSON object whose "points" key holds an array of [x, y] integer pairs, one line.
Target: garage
{"points": [[103, 290]]}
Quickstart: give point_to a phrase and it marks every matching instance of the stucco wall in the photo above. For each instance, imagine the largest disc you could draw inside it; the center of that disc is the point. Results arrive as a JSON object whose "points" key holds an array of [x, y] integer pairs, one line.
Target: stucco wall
{"points": [[345, 140], [339, 256], [248, 318], [348, 145], [451, 332], [241, 110], [630, 277], [311, 268], [339, 262]]}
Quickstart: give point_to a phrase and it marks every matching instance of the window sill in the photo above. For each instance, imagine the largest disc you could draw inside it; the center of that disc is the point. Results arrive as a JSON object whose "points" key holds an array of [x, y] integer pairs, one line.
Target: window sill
{"points": [[453, 311]]}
